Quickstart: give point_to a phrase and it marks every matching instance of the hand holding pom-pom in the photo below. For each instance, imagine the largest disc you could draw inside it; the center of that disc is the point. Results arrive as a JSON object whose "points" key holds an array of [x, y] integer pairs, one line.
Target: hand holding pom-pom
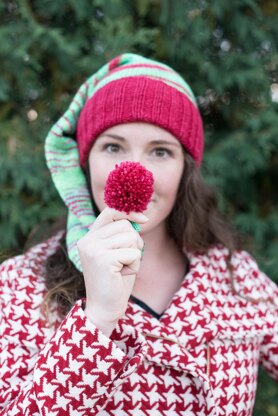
{"points": [[129, 187], [111, 261]]}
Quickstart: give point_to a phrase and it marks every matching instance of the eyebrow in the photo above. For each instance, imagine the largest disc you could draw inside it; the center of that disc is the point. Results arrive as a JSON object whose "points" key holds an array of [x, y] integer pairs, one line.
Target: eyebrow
{"points": [[155, 142]]}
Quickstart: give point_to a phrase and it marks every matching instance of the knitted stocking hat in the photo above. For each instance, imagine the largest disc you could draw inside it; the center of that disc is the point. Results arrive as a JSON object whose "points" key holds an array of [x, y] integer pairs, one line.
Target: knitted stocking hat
{"points": [[129, 88]]}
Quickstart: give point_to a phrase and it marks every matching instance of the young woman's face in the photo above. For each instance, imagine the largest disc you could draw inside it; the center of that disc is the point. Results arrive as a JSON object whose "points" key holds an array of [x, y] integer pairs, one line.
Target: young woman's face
{"points": [[156, 149]]}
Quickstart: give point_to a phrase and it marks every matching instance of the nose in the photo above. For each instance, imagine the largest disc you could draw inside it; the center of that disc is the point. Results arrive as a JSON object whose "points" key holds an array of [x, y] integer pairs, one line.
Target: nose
{"points": [[140, 156], [137, 157], [142, 159]]}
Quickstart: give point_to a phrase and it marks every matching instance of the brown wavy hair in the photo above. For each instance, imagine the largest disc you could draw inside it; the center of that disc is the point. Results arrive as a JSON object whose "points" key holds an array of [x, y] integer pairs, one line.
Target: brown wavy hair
{"points": [[195, 224]]}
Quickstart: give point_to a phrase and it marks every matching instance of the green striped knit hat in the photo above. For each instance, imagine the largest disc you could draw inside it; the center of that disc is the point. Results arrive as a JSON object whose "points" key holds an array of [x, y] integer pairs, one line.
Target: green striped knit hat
{"points": [[127, 89]]}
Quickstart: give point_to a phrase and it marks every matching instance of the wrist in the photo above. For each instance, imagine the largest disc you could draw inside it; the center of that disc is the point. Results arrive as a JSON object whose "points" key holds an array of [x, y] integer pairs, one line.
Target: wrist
{"points": [[104, 325]]}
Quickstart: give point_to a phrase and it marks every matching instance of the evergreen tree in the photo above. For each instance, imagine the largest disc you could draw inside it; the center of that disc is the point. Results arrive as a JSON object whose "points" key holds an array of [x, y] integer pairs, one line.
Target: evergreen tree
{"points": [[226, 50]]}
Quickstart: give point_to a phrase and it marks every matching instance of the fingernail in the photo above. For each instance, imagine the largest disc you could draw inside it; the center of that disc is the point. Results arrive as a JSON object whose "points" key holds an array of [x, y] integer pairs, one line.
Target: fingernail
{"points": [[142, 217]]}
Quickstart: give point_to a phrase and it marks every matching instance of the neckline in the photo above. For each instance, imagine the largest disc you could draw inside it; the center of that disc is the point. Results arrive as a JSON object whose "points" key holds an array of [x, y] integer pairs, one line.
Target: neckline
{"points": [[147, 308]]}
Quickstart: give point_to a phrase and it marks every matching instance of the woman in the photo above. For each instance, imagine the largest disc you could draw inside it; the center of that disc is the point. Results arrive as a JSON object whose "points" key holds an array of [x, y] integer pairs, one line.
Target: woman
{"points": [[103, 320]]}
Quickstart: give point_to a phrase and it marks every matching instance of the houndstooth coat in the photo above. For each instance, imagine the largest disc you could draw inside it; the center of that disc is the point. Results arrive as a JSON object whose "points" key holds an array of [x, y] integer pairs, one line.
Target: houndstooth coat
{"points": [[200, 358]]}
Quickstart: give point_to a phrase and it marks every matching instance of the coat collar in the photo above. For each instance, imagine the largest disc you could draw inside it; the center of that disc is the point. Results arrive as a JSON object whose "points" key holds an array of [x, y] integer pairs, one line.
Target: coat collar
{"points": [[206, 306]]}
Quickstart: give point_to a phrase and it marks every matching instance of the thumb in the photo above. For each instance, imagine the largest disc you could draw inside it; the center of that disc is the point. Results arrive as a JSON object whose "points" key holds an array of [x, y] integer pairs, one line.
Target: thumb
{"points": [[109, 215]]}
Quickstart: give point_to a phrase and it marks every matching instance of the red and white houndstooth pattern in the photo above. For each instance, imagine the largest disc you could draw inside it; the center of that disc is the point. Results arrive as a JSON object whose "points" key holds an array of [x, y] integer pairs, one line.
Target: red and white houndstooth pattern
{"points": [[200, 358]]}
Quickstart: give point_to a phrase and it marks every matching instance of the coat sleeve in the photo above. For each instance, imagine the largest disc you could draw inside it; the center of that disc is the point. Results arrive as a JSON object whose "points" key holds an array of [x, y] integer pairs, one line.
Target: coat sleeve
{"points": [[74, 373], [263, 290], [269, 348], [269, 354], [253, 284]]}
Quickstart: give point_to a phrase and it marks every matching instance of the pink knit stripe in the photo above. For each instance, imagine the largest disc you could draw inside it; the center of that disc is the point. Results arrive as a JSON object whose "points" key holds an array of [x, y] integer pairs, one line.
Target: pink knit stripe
{"points": [[67, 121], [59, 126], [145, 65], [57, 159], [81, 93], [54, 152], [77, 103], [155, 77], [142, 74], [76, 204], [58, 168], [77, 200], [80, 212], [174, 84], [82, 194], [56, 134], [114, 62], [73, 114]]}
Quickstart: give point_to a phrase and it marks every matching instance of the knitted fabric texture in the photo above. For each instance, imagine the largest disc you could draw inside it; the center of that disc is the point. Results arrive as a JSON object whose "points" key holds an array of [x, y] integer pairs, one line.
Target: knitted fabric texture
{"points": [[145, 92], [157, 86]]}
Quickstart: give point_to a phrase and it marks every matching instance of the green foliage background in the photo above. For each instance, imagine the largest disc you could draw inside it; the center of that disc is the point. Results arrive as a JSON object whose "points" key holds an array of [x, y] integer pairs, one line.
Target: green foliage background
{"points": [[226, 50]]}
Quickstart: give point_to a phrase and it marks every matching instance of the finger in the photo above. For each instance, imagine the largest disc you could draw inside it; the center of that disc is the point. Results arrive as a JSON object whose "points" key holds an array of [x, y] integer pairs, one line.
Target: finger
{"points": [[125, 257], [115, 227], [111, 236], [124, 240], [109, 215]]}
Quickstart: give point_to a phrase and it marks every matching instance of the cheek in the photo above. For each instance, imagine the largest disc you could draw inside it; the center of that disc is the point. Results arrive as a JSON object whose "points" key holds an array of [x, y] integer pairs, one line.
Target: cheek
{"points": [[167, 184], [98, 180]]}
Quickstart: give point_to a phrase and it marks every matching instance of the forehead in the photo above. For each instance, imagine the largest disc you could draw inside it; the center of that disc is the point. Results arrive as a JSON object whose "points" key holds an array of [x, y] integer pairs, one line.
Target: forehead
{"points": [[142, 131]]}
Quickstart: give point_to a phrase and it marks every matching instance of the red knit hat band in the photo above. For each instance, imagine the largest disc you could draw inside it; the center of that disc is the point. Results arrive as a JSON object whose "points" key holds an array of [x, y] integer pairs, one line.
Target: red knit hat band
{"points": [[139, 98]]}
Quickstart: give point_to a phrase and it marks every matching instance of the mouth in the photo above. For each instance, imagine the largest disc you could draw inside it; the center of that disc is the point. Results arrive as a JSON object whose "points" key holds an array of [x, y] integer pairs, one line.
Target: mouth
{"points": [[152, 202]]}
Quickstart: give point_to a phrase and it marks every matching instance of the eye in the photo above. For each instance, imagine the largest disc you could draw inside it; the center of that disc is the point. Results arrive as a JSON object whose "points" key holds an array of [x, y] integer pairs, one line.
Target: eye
{"points": [[162, 152], [111, 147]]}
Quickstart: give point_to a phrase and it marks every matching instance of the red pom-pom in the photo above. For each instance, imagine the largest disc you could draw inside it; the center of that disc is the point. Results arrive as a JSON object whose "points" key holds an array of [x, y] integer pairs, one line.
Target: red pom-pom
{"points": [[129, 187]]}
